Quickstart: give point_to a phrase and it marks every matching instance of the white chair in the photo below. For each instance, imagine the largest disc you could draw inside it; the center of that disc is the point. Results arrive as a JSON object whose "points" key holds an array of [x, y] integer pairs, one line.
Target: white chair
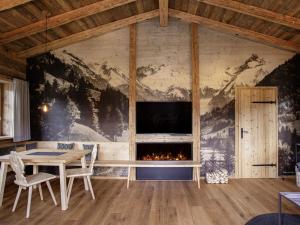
{"points": [[82, 172], [28, 182]]}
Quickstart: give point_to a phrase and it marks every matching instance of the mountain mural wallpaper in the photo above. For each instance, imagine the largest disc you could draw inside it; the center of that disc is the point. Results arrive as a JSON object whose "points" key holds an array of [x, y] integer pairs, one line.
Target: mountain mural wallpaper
{"points": [[86, 85]]}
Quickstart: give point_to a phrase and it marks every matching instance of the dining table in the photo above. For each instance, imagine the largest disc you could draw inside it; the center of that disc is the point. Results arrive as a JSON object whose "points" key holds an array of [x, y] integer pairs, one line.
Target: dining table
{"points": [[46, 157]]}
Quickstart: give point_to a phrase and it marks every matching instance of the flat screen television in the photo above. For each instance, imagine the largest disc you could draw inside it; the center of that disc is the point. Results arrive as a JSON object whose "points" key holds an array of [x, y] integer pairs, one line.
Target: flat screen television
{"points": [[164, 117]]}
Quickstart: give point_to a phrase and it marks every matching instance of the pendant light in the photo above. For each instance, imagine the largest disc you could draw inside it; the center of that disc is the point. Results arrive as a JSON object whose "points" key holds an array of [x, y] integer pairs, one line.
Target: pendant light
{"points": [[45, 104]]}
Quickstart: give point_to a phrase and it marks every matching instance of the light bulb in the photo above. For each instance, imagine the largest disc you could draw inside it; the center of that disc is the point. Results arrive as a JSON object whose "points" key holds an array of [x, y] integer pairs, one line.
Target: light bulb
{"points": [[45, 108]]}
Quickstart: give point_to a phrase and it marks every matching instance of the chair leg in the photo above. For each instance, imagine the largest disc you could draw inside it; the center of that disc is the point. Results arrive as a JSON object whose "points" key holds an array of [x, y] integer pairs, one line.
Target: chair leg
{"points": [[51, 192], [41, 192], [17, 198], [70, 185], [90, 186], [29, 201]]}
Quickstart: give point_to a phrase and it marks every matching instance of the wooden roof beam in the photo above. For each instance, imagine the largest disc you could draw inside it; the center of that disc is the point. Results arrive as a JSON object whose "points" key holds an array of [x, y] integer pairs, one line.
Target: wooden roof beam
{"points": [[163, 12], [61, 19], [193, 6], [238, 31], [257, 12], [140, 6], [12, 55], [8, 4], [87, 34]]}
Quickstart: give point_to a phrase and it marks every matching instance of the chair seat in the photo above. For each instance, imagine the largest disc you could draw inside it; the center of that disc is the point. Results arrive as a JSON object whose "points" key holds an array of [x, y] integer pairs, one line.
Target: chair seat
{"points": [[38, 178], [78, 172]]}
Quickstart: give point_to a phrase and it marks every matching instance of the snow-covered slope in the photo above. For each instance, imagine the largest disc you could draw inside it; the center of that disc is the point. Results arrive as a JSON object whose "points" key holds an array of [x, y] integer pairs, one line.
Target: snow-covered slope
{"points": [[84, 133]]}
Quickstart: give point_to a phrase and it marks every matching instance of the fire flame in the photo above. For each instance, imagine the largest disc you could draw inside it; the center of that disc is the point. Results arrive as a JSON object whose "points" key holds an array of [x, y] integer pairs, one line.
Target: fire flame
{"points": [[164, 156]]}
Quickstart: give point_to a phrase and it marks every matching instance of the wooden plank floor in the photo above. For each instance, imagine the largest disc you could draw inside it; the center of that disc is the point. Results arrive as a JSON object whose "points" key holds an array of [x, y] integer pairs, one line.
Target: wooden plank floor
{"points": [[152, 203]]}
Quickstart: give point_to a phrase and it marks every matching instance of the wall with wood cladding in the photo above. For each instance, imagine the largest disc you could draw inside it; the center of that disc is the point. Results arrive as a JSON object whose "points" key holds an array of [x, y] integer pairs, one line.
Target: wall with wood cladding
{"points": [[11, 66], [86, 85]]}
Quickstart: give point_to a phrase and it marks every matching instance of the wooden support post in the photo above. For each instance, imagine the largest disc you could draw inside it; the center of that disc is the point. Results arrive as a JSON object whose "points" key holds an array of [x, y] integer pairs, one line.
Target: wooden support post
{"points": [[195, 94], [163, 12], [132, 94]]}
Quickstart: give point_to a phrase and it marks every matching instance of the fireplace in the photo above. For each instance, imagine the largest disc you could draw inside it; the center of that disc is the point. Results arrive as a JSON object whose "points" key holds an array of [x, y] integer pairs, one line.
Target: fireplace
{"points": [[166, 152]]}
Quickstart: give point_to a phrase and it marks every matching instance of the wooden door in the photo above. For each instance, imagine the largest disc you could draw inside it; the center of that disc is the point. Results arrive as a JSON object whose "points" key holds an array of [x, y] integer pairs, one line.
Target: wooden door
{"points": [[256, 132]]}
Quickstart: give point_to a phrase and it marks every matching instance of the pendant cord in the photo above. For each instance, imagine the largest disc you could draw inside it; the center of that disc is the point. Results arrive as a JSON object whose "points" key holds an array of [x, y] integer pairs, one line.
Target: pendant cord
{"points": [[46, 48], [46, 41]]}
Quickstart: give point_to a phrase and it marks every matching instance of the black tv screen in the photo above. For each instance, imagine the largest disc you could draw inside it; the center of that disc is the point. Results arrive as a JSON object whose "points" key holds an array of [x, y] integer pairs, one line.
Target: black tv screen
{"points": [[164, 117]]}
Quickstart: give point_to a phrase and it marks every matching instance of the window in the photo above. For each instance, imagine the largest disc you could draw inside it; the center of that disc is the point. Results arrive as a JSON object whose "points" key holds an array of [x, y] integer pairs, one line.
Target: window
{"points": [[1, 108], [6, 109]]}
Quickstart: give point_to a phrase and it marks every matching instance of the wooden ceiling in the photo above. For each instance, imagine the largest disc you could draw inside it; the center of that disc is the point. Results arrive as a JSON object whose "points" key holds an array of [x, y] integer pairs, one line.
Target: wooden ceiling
{"points": [[23, 22]]}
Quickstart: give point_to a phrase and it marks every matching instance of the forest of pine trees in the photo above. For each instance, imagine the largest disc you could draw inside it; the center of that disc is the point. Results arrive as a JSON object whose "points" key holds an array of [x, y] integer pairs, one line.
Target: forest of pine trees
{"points": [[106, 114]]}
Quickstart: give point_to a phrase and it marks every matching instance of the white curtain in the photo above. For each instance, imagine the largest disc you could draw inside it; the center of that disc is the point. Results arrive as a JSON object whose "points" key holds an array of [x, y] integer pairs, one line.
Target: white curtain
{"points": [[21, 110]]}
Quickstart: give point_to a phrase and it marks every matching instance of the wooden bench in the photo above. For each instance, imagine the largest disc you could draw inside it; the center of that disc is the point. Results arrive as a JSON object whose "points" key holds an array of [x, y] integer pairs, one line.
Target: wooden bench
{"points": [[135, 164]]}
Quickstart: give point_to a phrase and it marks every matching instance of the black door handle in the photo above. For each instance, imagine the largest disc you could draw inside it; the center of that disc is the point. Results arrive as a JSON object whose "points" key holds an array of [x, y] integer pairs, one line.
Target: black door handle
{"points": [[270, 164], [242, 132]]}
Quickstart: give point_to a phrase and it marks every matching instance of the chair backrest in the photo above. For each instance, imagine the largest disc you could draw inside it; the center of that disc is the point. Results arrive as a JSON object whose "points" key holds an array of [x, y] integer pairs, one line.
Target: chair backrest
{"points": [[93, 157], [65, 146], [18, 167], [33, 145]]}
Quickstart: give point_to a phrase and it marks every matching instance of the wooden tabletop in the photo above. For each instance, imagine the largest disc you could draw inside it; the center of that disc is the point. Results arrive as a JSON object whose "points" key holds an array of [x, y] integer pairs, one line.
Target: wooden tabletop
{"points": [[67, 157]]}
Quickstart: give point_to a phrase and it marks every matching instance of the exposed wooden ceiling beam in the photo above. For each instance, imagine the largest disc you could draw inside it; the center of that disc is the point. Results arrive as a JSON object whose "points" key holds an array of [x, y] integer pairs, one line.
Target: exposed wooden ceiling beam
{"points": [[239, 31], [61, 19], [254, 11], [12, 55], [8, 4], [140, 6], [193, 6], [163, 12], [87, 34]]}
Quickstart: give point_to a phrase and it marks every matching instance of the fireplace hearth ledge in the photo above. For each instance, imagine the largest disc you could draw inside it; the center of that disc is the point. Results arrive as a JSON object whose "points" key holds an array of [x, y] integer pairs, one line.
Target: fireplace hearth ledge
{"points": [[164, 138]]}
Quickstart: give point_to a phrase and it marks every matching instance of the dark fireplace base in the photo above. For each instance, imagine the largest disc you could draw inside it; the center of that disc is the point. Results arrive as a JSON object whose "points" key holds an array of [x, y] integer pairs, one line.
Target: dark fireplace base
{"points": [[168, 153], [159, 173]]}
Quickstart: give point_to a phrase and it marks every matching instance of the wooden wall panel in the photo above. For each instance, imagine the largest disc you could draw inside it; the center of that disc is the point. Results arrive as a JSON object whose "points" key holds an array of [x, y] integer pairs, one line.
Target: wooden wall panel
{"points": [[132, 91], [195, 92]]}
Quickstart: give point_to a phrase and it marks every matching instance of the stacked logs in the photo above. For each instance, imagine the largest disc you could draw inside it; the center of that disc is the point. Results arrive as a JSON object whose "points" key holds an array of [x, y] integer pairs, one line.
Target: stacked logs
{"points": [[217, 177]]}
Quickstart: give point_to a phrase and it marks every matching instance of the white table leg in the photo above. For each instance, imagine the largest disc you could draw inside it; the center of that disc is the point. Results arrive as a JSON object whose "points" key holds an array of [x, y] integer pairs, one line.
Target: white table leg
{"points": [[128, 176], [198, 176], [83, 165], [3, 172], [35, 170], [63, 186]]}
